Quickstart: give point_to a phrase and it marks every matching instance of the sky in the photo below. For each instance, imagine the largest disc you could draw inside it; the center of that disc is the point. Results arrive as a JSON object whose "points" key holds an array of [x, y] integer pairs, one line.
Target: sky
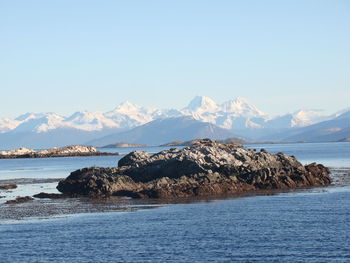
{"points": [[64, 56]]}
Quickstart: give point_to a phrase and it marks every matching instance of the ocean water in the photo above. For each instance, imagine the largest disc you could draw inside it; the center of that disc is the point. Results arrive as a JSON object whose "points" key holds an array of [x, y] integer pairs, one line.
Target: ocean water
{"points": [[309, 225], [335, 154]]}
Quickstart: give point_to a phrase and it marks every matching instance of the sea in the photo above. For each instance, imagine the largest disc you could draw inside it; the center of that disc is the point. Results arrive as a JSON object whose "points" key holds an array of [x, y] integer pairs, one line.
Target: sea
{"points": [[305, 225]]}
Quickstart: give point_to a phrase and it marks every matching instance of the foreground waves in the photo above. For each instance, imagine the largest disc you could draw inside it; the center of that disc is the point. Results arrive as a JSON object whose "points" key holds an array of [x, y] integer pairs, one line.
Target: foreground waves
{"points": [[310, 225]]}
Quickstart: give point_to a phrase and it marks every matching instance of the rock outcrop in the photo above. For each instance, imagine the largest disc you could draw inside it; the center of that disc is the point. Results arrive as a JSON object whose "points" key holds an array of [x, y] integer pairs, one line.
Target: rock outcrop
{"points": [[20, 199], [50, 195], [8, 186], [202, 169], [67, 151], [17, 152]]}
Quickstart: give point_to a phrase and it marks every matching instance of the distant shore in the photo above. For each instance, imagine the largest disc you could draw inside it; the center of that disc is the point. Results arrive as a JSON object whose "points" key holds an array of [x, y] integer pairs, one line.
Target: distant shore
{"points": [[124, 145], [67, 151]]}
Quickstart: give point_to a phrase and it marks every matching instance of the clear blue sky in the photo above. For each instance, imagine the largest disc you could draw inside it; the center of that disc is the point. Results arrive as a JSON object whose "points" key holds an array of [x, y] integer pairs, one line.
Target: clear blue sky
{"points": [[65, 55]]}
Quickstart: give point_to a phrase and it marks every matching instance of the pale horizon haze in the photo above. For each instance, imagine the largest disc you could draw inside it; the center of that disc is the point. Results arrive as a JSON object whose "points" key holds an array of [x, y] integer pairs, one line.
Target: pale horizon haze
{"points": [[66, 56]]}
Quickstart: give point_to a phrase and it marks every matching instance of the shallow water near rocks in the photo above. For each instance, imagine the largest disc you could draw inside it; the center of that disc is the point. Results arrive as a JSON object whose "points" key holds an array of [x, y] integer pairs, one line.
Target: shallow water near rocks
{"points": [[306, 225]]}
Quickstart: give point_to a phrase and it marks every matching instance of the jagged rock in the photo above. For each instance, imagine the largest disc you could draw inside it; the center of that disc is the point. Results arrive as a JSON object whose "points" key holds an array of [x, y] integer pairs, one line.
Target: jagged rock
{"points": [[67, 151], [134, 158], [204, 168]]}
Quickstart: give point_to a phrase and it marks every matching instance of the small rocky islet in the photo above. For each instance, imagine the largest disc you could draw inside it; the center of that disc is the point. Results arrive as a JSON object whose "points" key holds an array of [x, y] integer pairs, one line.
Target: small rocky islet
{"points": [[67, 151], [205, 168]]}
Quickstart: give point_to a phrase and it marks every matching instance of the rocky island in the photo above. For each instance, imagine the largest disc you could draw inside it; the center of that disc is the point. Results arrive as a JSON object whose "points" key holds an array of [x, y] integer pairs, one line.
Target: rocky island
{"points": [[67, 151], [191, 142], [202, 169]]}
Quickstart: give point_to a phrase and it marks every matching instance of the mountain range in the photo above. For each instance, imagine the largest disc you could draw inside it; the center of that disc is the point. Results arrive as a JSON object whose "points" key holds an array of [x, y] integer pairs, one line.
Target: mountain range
{"points": [[203, 117], [183, 128]]}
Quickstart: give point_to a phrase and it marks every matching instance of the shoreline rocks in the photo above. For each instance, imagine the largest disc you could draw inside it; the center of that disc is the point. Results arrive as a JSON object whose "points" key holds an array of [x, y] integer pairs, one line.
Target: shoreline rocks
{"points": [[237, 141], [67, 151], [202, 169], [49, 195], [20, 199], [8, 186]]}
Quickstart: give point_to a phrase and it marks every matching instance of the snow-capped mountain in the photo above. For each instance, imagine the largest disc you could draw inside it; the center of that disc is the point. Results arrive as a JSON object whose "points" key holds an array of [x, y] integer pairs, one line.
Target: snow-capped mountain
{"points": [[124, 116], [89, 121], [297, 119], [334, 129], [42, 122], [201, 105], [129, 115], [241, 114], [303, 118], [162, 131], [232, 114], [241, 107], [236, 115], [7, 124]]}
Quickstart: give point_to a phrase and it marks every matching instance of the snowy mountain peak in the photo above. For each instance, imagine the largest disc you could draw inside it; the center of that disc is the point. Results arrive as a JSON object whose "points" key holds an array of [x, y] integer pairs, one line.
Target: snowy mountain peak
{"points": [[89, 121], [241, 106], [201, 104], [37, 122], [7, 124], [241, 100], [237, 114], [81, 116], [127, 107], [304, 117], [49, 122], [29, 115]]}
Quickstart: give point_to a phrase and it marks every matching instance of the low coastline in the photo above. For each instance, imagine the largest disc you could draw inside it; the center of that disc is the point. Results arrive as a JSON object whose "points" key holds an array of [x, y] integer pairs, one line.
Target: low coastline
{"points": [[67, 151]]}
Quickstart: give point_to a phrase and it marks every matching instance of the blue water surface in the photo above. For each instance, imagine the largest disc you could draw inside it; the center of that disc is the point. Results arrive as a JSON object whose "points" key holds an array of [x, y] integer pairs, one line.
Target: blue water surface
{"points": [[311, 225], [334, 154], [298, 227]]}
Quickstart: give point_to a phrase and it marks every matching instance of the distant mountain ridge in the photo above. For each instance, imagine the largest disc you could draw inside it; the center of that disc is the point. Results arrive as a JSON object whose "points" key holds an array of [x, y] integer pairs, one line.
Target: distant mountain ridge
{"points": [[232, 114], [237, 116], [335, 129], [162, 131]]}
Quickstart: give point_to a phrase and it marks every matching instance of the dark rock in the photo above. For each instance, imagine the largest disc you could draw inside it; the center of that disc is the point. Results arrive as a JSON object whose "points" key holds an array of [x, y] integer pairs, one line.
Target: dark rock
{"points": [[52, 196], [202, 169], [8, 186], [134, 158], [20, 200]]}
